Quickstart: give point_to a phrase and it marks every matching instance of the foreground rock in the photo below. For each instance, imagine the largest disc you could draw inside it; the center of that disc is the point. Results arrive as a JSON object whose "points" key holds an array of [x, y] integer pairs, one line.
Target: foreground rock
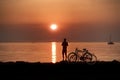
{"points": [[61, 70]]}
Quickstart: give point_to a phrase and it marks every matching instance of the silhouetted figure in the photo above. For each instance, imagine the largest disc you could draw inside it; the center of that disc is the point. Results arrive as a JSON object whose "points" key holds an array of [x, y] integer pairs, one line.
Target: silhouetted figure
{"points": [[64, 49]]}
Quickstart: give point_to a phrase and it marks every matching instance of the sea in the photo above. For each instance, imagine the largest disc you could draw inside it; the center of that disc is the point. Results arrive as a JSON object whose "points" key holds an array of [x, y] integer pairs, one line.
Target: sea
{"points": [[47, 52]]}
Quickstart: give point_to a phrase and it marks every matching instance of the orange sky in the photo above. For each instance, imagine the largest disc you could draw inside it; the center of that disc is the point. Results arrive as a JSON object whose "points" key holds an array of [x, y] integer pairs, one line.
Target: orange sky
{"points": [[59, 11]]}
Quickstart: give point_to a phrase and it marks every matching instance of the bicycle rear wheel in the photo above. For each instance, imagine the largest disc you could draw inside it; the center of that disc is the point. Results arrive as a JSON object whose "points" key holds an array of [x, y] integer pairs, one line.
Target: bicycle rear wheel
{"points": [[72, 57]]}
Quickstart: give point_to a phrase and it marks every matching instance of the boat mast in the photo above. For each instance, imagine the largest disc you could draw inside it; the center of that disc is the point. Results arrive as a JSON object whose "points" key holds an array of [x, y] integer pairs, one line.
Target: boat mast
{"points": [[110, 38]]}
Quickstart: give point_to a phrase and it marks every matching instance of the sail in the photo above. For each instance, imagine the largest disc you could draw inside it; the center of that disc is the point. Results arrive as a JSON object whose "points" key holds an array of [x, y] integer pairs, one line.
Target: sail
{"points": [[110, 41]]}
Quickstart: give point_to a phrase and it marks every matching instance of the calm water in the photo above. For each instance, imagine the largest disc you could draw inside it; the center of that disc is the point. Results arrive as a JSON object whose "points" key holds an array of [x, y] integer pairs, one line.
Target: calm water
{"points": [[51, 51]]}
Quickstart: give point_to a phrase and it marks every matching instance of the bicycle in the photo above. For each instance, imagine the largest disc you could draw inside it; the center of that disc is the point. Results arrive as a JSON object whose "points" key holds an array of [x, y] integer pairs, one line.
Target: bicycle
{"points": [[84, 56]]}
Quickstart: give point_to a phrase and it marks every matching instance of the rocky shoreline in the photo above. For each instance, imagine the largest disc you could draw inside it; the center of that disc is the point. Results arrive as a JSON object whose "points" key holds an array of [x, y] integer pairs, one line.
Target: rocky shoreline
{"points": [[61, 69]]}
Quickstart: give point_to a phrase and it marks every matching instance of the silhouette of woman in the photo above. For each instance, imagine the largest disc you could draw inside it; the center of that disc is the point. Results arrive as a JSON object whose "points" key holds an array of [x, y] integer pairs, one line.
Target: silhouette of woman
{"points": [[64, 49]]}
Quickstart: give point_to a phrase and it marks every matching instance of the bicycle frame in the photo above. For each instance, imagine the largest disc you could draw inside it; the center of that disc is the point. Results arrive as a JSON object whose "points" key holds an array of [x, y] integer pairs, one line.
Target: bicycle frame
{"points": [[79, 56], [84, 56]]}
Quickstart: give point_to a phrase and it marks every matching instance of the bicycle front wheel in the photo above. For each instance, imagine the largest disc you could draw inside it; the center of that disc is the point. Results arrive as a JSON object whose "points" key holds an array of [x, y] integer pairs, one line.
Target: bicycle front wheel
{"points": [[87, 57], [72, 57], [94, 59], [90, 59]]}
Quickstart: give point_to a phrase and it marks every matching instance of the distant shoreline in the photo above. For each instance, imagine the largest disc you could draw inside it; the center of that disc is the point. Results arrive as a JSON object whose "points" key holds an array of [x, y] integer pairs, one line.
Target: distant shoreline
{"points": [[51, 41]]}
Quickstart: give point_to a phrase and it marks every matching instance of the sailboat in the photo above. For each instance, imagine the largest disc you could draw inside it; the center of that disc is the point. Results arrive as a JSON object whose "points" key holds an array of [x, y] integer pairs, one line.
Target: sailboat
{"points": [[110, 42]]}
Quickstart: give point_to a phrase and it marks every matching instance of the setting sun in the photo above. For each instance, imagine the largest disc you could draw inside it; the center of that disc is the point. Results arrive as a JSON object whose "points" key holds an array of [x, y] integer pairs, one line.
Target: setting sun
{"points": [[53, 26]]}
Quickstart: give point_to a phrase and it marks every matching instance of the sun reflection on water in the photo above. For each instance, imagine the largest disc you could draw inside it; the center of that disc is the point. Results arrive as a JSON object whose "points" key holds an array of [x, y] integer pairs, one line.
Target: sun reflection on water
{"points": [[53, 52]]}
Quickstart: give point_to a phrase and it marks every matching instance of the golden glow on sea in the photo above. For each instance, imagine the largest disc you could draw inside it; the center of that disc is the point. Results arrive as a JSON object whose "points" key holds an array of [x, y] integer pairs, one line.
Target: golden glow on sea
{"points": [[53, 52]]}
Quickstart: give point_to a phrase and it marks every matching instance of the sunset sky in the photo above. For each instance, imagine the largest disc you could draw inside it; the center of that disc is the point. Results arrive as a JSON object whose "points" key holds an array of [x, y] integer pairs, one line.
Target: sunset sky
{"points": [[75, 12]]}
